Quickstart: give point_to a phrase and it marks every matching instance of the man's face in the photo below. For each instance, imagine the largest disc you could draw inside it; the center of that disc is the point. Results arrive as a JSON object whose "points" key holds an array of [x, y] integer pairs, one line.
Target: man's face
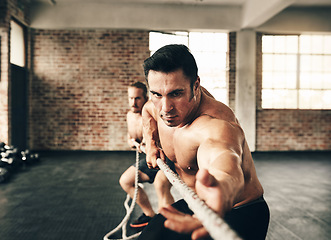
{"points": [[172, 96], [136, 99]]}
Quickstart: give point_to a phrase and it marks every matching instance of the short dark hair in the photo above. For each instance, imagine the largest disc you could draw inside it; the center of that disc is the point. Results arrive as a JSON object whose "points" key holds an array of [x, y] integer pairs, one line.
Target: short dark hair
{"points": [[141, 86], [171, 58]]}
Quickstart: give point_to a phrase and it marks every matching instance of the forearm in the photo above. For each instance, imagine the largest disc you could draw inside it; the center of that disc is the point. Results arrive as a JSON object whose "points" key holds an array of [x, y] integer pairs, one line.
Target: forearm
{"points": [[221, 178], [150, 131], [151, 136], [229, 178], [130, 141]]}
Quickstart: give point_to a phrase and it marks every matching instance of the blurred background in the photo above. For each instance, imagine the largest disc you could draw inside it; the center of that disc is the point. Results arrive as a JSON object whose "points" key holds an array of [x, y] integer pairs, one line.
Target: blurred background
{"points": [[65, 68]]}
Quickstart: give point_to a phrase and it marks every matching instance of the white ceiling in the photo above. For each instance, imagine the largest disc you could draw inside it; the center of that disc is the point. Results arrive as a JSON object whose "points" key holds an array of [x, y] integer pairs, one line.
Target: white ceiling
{"points": [[163, 14], [199, 2]]}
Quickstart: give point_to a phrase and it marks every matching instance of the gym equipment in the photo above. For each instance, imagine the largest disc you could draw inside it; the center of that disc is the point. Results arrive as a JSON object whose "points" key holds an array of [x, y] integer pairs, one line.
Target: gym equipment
{"points": [[4, 175], [12, 160], [29, 158]]}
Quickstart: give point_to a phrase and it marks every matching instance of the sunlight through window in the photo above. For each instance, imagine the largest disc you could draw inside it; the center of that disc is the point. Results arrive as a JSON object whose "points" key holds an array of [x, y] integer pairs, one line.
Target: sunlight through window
{"points": [[296, 71], [17, 55]]}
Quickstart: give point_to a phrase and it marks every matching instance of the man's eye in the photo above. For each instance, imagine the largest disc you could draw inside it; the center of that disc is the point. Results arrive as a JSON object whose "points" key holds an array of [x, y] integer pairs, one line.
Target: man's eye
{"points": [[156, 95], [175, 94]]}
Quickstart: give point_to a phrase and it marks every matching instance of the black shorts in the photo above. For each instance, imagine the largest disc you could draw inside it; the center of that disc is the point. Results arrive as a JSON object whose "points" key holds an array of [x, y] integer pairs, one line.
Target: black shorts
{"points": [[250, 221], [151, 173]]}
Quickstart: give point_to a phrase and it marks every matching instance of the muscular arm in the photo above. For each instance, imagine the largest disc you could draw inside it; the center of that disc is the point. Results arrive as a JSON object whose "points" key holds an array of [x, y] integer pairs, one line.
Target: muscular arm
{"points": [[129, 138], [151, 136], [130, 141], [220, 180]]}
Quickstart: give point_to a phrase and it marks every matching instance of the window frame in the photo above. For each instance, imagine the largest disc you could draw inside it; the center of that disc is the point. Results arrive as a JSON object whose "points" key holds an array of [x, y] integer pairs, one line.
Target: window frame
{"points": [[298, 79], [24, 43]]}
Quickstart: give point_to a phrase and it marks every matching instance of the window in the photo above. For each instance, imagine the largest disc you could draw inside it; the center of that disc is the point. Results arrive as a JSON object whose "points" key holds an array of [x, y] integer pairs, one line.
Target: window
{"points": [[210, 53], [296, 71], [17, 47]]}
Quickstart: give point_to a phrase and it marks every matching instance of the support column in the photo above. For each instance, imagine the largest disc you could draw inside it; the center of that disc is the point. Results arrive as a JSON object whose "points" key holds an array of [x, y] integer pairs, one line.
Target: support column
{"points": [[245, 101]]}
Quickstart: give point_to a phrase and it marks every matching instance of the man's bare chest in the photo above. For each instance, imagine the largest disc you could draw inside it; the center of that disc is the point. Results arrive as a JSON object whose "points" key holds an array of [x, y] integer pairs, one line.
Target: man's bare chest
{"points": [[135, 127], [179, 147]]}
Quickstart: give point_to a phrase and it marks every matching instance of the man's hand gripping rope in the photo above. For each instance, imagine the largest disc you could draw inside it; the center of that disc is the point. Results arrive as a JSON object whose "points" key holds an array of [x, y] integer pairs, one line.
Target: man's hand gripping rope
{"points": [[212, 222]]}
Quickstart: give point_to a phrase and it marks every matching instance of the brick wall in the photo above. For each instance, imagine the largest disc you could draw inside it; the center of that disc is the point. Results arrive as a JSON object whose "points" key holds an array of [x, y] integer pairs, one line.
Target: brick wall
{"points": [[78, 98], [293, 130], [284, 129], [78, 92]]}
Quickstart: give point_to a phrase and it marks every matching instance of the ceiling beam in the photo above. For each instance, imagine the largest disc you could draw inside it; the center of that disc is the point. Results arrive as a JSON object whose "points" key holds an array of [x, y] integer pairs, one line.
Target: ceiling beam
{"points": [[257, 12], [135, 16]]}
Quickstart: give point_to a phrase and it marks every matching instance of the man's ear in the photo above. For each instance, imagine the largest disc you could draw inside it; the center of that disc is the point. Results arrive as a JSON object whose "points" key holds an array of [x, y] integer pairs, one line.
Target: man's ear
{"points": [[196, 85]]}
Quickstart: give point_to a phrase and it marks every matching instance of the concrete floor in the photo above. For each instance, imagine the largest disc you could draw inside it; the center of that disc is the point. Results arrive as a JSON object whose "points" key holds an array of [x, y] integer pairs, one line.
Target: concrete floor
{"points": [[76, 195]]}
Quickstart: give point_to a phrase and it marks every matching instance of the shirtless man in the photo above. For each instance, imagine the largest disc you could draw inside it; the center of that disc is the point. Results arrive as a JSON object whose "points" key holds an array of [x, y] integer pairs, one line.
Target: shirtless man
{"points": [[207, 145], [137, 94]]}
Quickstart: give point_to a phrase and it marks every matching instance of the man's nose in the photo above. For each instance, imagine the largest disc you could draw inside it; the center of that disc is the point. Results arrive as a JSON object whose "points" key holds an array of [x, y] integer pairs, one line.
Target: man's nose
{"points": [[167, 105]]}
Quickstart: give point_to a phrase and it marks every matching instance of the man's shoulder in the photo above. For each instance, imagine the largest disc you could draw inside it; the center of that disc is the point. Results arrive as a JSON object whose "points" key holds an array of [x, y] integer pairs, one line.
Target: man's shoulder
{"points": [[213, 123], [206, 128], [150, 109], [216, 109], [210, 120]]}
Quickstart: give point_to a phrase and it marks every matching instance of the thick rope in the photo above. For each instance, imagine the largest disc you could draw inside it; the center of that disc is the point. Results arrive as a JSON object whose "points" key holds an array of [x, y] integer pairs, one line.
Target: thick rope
{"points": [[214, 224], [128, 210]]}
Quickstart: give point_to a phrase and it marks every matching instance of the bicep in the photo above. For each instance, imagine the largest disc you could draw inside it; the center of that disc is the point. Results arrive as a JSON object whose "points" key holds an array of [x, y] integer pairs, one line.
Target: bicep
{"points": [[221, 150], [217, 159]]}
